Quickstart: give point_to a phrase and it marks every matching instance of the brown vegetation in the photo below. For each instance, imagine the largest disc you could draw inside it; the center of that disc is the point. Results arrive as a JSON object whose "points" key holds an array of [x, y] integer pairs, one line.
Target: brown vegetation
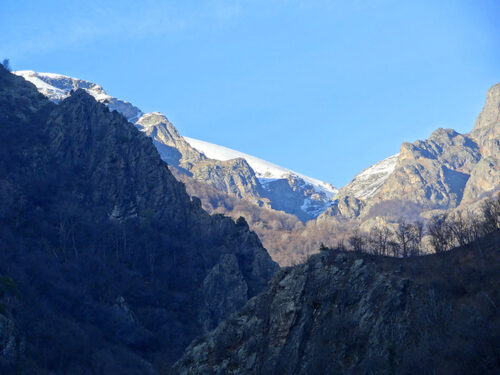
{"points": [[442, 232]]}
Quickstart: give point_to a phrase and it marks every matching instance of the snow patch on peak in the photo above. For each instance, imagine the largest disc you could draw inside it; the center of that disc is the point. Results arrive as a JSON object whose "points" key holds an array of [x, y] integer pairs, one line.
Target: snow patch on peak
{"points": [[385, 167], [58, 87], [368, 182], [265, 171], [150, 119]]}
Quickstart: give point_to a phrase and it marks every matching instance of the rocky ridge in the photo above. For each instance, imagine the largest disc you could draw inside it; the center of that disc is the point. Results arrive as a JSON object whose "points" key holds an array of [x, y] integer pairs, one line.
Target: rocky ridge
{"points": [[172, 147], [118, 269], [446, 171], [349, 313], [307, 198]]}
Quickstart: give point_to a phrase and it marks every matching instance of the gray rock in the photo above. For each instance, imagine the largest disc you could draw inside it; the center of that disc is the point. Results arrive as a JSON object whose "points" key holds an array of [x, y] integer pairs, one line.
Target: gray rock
{"points": [[172, 147], [343, 313], [233, 176], [295, 196]]}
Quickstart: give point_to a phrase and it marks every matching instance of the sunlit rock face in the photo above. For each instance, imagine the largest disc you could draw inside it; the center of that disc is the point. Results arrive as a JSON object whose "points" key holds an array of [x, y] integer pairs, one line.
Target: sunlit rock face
{"points": [[445, 171]]}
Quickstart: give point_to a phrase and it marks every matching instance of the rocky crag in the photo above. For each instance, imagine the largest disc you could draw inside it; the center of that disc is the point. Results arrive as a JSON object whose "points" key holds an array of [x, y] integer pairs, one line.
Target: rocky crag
{"points": [[117, 269], [446, 171], [349, 313], [291, 192]]}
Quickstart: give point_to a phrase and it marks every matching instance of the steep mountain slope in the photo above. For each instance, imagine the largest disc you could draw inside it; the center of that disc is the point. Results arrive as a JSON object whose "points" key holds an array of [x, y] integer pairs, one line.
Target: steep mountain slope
{"points": [[445, 171], [349, 313], [366, 184], [117, 268], [486, 133], [172, 147], [286, 190], [275, 187]]}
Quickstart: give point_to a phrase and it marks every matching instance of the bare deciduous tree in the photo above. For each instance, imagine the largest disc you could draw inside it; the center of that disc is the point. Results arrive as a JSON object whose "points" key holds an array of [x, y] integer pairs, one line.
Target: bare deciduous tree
{"points": [[490, 211], [379, 240], [441, 236], [357, 241]]}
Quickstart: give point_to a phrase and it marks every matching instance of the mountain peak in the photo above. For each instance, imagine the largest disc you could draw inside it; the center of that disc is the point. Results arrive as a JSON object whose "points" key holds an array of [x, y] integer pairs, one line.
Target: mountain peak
{"points": [[490, 113], [58, 87]]}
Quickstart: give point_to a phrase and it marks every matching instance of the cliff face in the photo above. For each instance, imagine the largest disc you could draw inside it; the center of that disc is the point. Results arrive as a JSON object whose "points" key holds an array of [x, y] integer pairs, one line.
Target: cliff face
{"points": [[117, 268], [356, 314], [486, 133], [445, 171], [232, 176], [294, 195], [432, 173], [172, 147]]}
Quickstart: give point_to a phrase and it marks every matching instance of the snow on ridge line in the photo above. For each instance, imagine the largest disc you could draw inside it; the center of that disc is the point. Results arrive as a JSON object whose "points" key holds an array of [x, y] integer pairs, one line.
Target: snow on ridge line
{"points": [[44, 82], [385, 166], [366, 183], [57, 87], [264, 170]]}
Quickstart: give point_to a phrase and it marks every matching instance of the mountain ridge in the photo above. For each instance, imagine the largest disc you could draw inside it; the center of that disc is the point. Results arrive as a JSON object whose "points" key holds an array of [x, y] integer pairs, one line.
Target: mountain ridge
{"points": [[117, 267], [446, 171], [351, 313], [306, 200]]}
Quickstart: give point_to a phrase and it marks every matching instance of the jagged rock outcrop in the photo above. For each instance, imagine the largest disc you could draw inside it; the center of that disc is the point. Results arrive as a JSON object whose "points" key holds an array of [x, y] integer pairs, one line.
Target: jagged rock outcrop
{"points": [[485, 178], [113, 260], [432, 173], [308, 197], [487, 127], [233, 176], [172, 147], [446, 171], [346, 313], [346, 206]]}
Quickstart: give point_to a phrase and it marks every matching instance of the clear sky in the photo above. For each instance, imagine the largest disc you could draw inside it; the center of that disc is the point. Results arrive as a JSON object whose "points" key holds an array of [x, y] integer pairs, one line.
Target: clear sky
{"points": [[326, 88]]}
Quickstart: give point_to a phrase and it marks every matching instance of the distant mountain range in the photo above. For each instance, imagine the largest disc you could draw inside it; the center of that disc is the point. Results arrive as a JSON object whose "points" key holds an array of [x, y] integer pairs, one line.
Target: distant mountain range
{"points": [[448, 171], [108, 266], [257, 180]]}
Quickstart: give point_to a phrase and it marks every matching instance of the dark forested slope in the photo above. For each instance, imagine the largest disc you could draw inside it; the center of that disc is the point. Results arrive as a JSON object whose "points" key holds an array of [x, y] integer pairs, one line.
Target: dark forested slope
{"points": [[106, 265], [352, 313]]}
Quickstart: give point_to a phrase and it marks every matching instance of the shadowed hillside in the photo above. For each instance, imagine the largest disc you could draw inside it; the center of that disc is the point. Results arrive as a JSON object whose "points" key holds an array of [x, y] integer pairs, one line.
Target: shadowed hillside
{"points": [[108, 266], [352, 313]]}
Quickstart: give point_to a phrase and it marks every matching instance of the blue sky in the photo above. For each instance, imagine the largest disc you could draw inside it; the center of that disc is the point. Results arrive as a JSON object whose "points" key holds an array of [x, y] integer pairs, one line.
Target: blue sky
{"points": [[326, 88]]}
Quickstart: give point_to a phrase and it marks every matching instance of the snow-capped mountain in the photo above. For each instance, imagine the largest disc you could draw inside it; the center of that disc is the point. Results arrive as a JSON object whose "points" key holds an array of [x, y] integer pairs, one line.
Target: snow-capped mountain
{"points": [[265, 171], [230, 171], [57, 87]]}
